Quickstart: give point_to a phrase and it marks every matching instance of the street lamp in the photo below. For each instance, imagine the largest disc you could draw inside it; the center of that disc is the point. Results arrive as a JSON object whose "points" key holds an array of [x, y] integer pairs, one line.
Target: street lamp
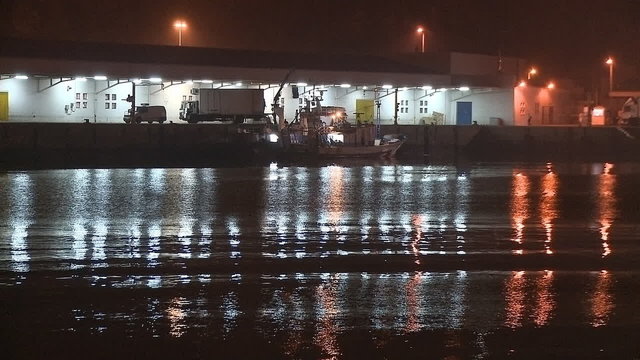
{"points": [[180, 25], [421, 31], [532, 72], [610, 63]]}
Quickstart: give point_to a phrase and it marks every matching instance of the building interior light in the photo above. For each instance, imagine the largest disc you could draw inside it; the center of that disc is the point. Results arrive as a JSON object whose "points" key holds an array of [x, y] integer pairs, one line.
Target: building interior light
{"points": [[100, 77], [551, 85], [522, 83], [81, 78], [364, 88], [427, 87], [387, 86], [21, 77], [155, 79], [302, 84], [404, 89], [345, 86], [207, 81], [238, 84], [189, 82], [137, 81], [464, 88]]}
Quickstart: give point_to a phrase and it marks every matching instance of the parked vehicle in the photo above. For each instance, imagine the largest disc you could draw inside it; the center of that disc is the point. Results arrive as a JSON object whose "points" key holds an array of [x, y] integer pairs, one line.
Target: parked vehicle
{"points": [[235, 105], [146, 113]]}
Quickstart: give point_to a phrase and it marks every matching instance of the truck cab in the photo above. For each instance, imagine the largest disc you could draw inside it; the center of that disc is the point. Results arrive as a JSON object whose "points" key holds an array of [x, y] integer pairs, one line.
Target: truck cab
{"points": [[146, 113]]}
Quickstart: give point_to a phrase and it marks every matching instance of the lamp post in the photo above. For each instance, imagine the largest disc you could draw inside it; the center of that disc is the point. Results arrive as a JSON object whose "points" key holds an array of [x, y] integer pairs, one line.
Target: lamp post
{"points": [[610, 63], [531, 72], [421, 31], [180, 25]]}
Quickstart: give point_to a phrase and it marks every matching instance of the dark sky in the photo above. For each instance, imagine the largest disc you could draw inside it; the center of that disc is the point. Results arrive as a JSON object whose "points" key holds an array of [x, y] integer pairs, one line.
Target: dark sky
{"points": [[563, 36]]}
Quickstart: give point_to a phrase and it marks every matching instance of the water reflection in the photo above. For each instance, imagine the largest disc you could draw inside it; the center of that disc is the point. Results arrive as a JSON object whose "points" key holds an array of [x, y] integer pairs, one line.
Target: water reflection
{"points": [[606, 205], [545, 299], [602, 300], [548, 206], [326, 313], [21, 207], [519, 207], [515, 299]]}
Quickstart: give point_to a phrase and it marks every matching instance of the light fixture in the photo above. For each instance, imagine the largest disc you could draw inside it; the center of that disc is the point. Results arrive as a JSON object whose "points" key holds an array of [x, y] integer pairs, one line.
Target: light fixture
{"points": [[609, 61], [364, 88], [551, 85], [207, 81], [273, 138], [189, 82], [100, 77], [21, 77], [137, 81], [302, 84], [442, 90], [387, 87], [155, 80], [427, 87], [238, 84], [345, 86], [404, 89], [522, 83], [81, 78], [464, 88]]}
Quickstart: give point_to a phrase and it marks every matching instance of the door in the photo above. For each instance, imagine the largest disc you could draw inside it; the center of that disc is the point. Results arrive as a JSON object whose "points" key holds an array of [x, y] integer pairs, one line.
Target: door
{"points": [[365, 110], [547, 115], [4, 106], [463, 113]]}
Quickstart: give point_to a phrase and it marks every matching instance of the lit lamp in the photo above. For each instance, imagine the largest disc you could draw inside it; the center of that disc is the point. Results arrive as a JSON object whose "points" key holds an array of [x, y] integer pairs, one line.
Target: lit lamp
{"points": [[532, 72], [420, 31], [610, 63], [180, 25]]}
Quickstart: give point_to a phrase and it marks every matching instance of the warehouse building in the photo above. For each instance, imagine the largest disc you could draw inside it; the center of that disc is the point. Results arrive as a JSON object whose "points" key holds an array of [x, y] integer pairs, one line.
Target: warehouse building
{"points": [[70, 82]]}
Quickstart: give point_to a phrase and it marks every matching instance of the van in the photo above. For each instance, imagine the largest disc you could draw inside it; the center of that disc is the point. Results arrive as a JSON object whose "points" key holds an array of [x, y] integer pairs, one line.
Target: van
{"points": [[146, 113]]}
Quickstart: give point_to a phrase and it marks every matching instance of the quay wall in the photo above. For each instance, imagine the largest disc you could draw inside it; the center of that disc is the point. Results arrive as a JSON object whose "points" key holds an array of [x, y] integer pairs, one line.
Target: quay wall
{"points": [[80, 144]]}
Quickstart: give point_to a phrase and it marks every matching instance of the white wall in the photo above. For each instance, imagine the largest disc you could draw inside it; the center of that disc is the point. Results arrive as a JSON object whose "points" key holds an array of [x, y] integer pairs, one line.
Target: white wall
{"points": [[485, 104], [26, 103]]}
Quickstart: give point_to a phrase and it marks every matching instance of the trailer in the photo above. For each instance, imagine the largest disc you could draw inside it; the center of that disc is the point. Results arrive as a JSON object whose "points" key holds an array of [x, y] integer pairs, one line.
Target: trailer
{"points": [[225, 105]]}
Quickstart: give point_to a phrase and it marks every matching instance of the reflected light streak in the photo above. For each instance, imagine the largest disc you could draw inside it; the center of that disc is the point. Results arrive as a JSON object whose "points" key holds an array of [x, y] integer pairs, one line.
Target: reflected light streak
{"points": [[514, 296], [545, 302], [606, 206], [19, 250], [417, 221], [413, 303], [335, 200], [602, 301], [327, 337], [548, 207], [176, 316], [519, 207]]}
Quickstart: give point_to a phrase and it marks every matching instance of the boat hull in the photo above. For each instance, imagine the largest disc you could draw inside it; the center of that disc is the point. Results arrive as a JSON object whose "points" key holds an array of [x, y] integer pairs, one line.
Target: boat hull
{"points": [[385, 150]]}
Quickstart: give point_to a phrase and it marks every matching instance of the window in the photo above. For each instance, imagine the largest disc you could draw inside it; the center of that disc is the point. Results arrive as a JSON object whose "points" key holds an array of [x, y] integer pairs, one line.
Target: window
{"points": [[77, 96], [84, 96], [113, 105], [113, 97], [77, 104], [84, 104], [184, 97], [106, 105], [423, 106], [107, 97]]}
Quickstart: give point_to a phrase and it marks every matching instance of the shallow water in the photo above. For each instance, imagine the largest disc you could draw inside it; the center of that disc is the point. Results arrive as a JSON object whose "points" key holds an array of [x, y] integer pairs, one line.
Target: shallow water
{"points": [[393, 261]]}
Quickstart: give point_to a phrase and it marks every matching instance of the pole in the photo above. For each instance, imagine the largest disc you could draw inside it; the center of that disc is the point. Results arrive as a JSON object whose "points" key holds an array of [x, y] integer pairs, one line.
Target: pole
{"points": [[423, 41], [610, 78], [180, 36], [395, 109]]}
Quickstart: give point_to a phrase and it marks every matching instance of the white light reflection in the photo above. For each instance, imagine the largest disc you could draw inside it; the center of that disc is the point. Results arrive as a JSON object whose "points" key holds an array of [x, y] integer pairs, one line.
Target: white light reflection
{"points": [[98, 241], [176, 316], [21, 203], [548, 206], [155, 232], [231, 311], [79, 243]]}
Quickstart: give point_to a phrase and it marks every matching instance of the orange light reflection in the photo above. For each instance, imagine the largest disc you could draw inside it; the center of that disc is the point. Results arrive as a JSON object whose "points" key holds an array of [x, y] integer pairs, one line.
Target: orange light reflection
{"points": [[548, 207], [602, 302], [416, 221], [606, 206], [519, 207], [514, 296], [545, 302], [413, 319], [327, 337]]}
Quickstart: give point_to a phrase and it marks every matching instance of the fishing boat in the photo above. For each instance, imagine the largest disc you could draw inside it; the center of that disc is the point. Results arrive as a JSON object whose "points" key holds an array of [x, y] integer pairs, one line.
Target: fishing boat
{"points": [[325, 132]]}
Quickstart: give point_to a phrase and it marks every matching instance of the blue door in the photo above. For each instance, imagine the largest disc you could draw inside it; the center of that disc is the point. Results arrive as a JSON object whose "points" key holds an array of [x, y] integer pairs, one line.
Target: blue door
{"points": [[463, 113]]}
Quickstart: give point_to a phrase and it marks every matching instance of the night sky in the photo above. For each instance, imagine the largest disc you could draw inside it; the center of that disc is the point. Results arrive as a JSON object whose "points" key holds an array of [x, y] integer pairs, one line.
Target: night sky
{"points": [[563, 36]]}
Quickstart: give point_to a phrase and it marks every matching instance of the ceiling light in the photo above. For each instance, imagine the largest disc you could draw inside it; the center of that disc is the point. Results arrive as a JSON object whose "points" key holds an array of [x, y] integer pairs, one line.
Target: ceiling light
{"points": [[387, 86], [345, 86], [100, 77], [155, 79]]}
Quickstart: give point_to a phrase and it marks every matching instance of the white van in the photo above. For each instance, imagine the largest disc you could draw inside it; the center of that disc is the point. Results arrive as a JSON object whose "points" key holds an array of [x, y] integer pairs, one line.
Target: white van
{"points": [[146, 113]]}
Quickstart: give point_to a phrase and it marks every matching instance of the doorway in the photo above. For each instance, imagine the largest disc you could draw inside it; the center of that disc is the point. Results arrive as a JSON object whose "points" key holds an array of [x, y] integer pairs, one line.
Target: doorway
{"points": [[4, 106], [463, 113]]}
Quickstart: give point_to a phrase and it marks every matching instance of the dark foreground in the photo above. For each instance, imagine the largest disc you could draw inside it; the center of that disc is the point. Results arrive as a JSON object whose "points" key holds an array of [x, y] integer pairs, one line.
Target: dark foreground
{"points": [[385, 261]]}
